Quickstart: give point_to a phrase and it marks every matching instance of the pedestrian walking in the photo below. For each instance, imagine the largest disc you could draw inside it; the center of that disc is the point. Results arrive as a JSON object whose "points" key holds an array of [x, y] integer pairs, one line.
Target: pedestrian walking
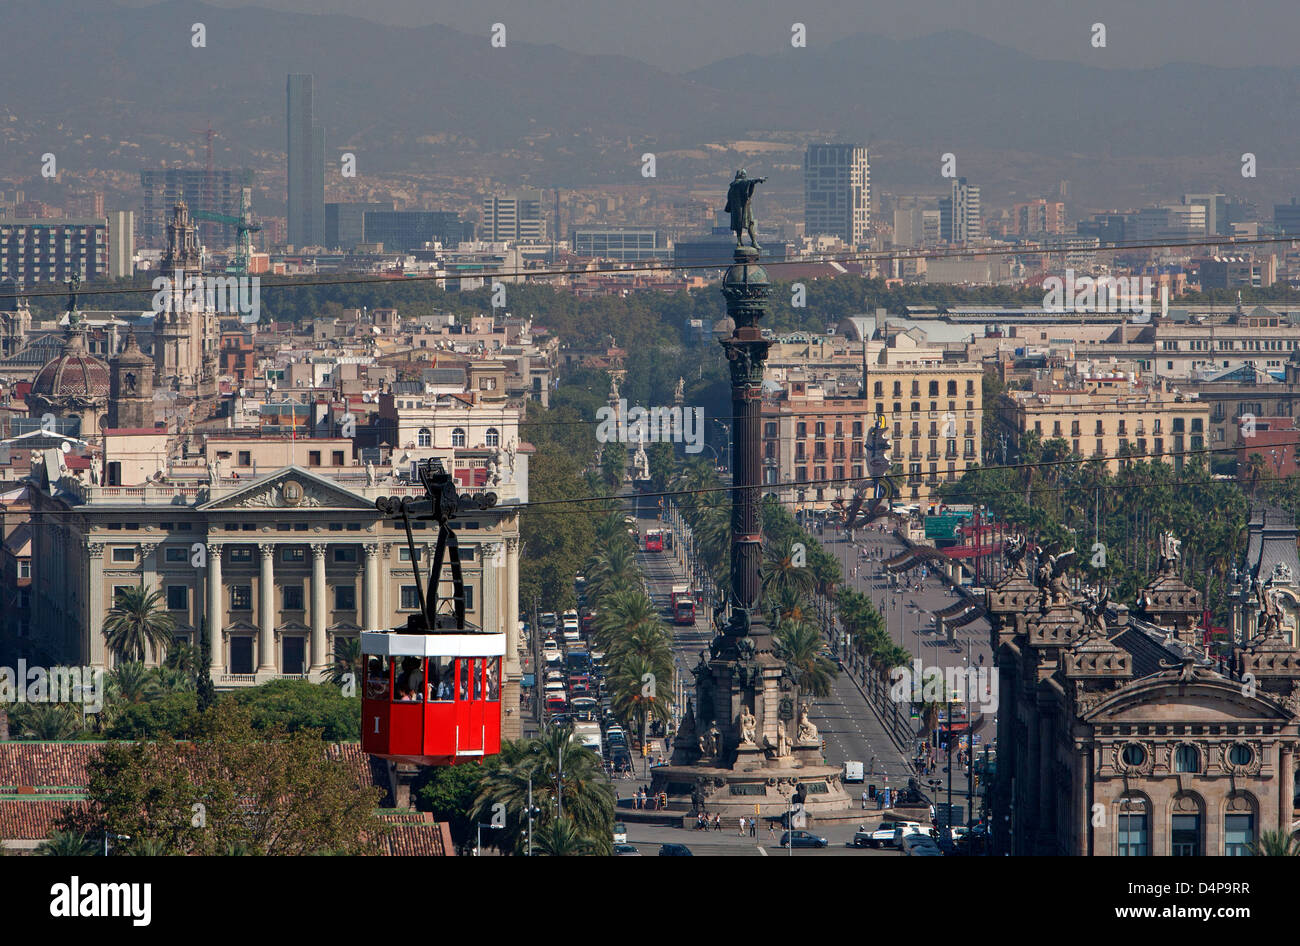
{"points": [[753, 827], [741, 833], [864, 799]]}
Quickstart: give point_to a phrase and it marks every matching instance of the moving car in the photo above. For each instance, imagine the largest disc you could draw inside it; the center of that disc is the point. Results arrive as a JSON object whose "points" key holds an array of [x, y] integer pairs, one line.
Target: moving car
{"points": [[674, 850], [802, 839], [905, 829], [625, 850], [620, 832], [882, 835]]}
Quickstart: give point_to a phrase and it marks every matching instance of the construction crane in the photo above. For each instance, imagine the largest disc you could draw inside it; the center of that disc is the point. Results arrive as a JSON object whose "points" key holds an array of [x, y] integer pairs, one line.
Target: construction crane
{"points": [[244, 230]]}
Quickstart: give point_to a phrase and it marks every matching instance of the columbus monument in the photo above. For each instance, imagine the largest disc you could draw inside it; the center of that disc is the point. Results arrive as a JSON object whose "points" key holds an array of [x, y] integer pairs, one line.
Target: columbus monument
{"points": [[745, 739]]}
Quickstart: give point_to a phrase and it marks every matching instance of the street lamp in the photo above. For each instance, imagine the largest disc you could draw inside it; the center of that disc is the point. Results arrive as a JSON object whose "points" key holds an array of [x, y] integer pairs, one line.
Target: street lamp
{"points": [[478, 844]]}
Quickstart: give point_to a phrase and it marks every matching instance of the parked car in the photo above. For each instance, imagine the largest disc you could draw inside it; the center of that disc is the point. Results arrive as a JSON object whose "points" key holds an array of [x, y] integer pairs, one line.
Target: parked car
{"points": [[801, 839], [921, 845], [674, 850]]}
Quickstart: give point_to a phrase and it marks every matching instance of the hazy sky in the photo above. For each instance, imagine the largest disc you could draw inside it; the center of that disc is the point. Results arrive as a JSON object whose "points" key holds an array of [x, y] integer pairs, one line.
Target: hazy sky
{"points": [[684, 34]]}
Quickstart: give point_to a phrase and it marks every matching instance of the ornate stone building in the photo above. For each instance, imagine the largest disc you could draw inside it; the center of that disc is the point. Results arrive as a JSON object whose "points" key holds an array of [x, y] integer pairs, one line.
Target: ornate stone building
{"points": [[187, 330], [1118, 736], [282, 568]]}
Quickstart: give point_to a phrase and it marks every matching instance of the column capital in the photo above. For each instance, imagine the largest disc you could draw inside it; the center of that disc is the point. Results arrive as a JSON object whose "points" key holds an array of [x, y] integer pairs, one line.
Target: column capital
{"points": [[214, 548], [372, 549], [318, 550], [512, 542], [147, 549], [266, 548], [95, 549]]}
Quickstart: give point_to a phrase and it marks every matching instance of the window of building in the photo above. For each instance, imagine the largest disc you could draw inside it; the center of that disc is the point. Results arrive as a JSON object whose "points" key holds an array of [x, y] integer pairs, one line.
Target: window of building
{"points": [[345, 554], [124, 555], [241, 654], [292, 597], [469, 597], [291, 554], [176, 554], [424, 438], [178, 598], [1238, 835], [1185, 835], [313, 458], [345, 598], [952, 388], [241, 598], [337, 458], [769, 430], [245, 458], [410, 598], [241, 554], [493, 438], [294, 657], [1240, 754], [24, 569], [1187, 759], [1133, 838], [1133, 755], [404, 553], [458, 437]]}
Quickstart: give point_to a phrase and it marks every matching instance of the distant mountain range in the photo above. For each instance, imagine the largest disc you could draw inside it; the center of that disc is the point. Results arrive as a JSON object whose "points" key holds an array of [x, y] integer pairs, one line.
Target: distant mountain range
{"points": [[81, 68]]}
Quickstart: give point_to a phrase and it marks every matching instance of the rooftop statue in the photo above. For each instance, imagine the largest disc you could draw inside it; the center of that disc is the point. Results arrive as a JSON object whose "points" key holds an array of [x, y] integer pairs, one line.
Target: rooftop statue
{"points": [[740, 201]]}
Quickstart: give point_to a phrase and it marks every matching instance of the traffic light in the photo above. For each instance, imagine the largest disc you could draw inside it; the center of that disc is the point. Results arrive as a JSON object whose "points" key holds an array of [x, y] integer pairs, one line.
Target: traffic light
{"points": [[878, 447]]}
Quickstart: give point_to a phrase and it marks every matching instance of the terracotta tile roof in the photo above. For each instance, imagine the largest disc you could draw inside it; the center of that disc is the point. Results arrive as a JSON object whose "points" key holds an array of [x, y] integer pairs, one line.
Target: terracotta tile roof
{"points": [[57, 767], [31, 820]]}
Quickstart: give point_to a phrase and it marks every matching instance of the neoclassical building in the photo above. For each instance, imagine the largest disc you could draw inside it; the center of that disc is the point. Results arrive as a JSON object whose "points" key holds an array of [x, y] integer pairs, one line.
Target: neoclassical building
{"points": [[281, 567], [1117, 735]]}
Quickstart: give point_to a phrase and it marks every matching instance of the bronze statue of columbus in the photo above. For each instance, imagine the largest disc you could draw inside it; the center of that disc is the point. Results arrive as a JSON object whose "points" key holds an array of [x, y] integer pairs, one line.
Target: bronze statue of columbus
{"points": [[740, 199]]}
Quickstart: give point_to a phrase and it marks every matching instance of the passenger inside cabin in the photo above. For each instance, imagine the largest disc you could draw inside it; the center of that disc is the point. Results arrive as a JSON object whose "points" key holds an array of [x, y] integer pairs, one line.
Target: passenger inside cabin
{"points": [[441, 674], [376, 679], [410, 680]]}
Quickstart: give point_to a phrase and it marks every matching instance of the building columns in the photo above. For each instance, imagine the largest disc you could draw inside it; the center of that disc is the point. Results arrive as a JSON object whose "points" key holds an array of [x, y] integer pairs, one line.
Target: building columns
{"points": [[370, 596], [319, 656], [266, 612], [96, 649], [216, 621]]}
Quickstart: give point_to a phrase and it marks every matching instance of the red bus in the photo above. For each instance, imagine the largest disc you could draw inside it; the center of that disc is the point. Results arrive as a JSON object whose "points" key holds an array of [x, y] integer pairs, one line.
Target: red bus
{"points": [[682, 605], [654, 540]]}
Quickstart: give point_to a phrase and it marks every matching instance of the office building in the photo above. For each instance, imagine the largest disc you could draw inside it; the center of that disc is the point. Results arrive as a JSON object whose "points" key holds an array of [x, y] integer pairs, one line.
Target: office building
{"points": [[345, 223], [514, 217], [625, 244], [306, 147], [837, 192], [121, 244], [404, 230]]}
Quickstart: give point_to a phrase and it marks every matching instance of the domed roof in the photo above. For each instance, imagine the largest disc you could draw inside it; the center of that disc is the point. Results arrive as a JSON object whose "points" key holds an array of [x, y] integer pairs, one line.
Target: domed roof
{"points": [[75, 373]]}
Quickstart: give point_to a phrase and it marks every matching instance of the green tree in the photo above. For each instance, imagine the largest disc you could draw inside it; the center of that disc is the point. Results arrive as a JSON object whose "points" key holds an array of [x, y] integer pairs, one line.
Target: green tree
{"points": [[449, 792], [137, 623], [67, 844], [1275, 844], [800, 645], [560, 837]]}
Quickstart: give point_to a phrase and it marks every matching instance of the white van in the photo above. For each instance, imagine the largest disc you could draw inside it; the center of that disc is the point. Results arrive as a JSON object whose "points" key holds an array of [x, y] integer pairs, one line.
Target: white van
{"points": [[853, 772]]}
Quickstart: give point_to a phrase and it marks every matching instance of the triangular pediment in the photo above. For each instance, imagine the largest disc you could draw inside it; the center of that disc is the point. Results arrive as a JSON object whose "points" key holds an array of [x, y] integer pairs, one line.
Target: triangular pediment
{"points": [[288, 488]]}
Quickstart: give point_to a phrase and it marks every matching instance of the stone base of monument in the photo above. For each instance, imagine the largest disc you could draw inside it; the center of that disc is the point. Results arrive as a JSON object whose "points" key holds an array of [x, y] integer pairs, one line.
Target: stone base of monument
{"points": [[754, 779]]}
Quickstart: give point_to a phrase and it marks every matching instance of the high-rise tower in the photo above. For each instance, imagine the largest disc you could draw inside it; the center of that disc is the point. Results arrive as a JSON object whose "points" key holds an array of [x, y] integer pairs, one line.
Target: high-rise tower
{"points": [[306, 147]]}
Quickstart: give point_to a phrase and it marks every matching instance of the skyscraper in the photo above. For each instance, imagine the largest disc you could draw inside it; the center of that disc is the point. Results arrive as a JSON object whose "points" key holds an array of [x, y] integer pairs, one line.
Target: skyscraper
{"points": [[837, 192], [306, 148], [960, 213]]}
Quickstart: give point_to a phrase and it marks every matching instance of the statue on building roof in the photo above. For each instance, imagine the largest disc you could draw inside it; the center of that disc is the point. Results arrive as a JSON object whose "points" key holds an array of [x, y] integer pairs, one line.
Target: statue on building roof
{"points": [[1014, 548], [1052, 583], [1171, 553], [740, 203]]}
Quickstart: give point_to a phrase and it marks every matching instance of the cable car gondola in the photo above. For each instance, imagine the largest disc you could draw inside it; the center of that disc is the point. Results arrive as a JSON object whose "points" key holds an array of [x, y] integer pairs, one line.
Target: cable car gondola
{"points": [[432, 692]]}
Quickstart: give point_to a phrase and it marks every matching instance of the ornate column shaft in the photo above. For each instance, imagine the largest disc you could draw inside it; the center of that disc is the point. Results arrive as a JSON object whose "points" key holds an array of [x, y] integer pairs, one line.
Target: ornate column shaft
{"points": [[266, 616], [320, 658], [370, 599], [95, 651], [746, 289], [216, 618]]}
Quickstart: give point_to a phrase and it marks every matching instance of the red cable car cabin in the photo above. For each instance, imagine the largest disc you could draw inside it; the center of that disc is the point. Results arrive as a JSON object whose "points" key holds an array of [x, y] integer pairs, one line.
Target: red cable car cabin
{"points": [[431, 699]]}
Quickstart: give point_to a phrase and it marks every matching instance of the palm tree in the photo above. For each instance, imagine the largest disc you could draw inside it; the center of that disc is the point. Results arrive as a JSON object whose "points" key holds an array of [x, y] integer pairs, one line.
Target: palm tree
{"points": [[785, 566], [1256, 470], [801, 645], [137, 622], [67, 844], [183, 658], [790, 604], [639, 691], [560, 837], [132, 683], [149, 847], [47, 722], [1276, 843], [171, 680], [347, 661]]}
